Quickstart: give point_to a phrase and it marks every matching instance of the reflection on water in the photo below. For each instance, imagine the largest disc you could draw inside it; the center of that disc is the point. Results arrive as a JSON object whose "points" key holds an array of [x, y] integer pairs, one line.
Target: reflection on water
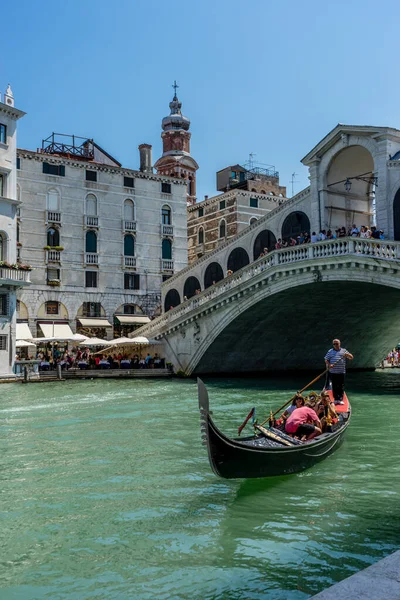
{"points": [[106, 492]]}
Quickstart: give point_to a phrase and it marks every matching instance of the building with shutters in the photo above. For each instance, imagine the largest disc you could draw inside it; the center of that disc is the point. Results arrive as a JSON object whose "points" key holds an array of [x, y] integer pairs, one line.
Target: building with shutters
{"points": [[12, 276], [101, 238]]}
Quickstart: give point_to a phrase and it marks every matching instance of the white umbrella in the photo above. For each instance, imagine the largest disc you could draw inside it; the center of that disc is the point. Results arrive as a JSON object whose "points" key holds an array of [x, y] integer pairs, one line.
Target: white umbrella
{"points": [[140, 340], [120, 341], [23, 344], [78, 337], [95, 342]]}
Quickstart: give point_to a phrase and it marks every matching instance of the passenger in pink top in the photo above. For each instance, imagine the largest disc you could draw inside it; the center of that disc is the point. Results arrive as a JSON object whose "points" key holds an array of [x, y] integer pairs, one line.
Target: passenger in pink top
{"points": [[304, 423]]}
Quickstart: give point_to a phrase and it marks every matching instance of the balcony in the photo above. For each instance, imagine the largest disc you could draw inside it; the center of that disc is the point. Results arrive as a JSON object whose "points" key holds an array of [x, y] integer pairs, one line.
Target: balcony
{"points": [[129, 261], [14, 276], [91, 221], [91, 258], [167, 230], [167, 265], [128, 225], [53, 217], [53, 256]]}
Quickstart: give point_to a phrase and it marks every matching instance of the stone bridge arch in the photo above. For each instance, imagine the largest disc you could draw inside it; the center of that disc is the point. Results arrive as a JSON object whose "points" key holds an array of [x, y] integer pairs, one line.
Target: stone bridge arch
{"points": [[248, 334]]}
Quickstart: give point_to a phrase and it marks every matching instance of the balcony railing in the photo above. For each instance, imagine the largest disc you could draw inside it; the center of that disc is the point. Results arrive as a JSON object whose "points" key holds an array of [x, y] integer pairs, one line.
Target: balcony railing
{"points": [[53, 256], [167, 230], [167, 265], [14, 276], [129, 261], [91, 221], [53, 217], [128, 225], [91, 258]]}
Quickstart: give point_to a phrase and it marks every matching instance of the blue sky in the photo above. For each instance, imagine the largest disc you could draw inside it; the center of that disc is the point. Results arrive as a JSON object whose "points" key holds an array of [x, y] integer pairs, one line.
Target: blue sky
{"points": [[266, 77]]}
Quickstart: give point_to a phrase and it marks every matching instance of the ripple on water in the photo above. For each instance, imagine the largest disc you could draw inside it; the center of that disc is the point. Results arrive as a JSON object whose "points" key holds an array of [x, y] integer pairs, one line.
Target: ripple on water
{"points": [[106, 492]]}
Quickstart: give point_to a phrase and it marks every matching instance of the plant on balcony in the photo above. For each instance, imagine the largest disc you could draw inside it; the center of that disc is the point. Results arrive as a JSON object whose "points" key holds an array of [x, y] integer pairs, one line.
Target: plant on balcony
{"points": [[46, 247], [57, 248], [54, 282], [19, 245], [15, 266]]}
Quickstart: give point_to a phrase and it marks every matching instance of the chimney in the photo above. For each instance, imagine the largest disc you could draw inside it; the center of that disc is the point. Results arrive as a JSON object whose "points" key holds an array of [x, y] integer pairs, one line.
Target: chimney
{"points": [[145, 158], [205, 197]]}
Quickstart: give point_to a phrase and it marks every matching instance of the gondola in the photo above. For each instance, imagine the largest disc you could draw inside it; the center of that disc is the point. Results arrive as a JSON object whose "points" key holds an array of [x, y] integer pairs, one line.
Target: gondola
{"points": [[266, 454]]}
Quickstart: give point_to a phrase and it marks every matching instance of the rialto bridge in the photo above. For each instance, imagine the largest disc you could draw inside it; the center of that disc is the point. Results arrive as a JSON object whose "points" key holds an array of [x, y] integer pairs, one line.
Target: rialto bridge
{"points": [[281, 310]]}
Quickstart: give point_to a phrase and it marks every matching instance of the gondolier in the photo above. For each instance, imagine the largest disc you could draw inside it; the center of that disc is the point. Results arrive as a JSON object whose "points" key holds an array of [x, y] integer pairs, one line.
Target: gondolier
{"points": [[335, 360]]}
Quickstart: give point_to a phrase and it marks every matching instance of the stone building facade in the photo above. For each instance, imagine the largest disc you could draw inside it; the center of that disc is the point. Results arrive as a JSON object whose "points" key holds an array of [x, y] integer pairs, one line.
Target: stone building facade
{"points": [[12, 276], [101, 238], [215, 220]]}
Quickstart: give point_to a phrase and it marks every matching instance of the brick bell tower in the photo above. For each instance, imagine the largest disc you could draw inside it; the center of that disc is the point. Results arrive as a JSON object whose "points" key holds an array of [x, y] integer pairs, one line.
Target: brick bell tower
{"points": [[176, 160]]}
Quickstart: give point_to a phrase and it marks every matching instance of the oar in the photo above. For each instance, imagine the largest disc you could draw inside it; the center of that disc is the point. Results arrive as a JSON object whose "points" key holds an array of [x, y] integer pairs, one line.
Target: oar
{"points": [[302, 390]]}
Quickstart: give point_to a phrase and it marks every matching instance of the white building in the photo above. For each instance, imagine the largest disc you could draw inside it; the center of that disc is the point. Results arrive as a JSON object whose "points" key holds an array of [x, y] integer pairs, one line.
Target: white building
{"points": [[11, 277], [101, 238]]}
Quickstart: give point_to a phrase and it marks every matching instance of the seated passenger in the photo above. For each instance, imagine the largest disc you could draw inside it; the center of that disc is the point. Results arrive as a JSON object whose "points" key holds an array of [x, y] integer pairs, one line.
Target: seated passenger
{"points": [[298, 401], [303, 423]]}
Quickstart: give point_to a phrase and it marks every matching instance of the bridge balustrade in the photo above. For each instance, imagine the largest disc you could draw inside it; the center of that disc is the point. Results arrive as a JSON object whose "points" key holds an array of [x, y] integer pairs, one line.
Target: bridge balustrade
{"points": [[325, 249]]}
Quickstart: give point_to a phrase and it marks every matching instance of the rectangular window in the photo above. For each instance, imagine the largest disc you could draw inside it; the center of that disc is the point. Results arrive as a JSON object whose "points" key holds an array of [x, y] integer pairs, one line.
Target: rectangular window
{"points": [[222, 205], [2, 177], [92, 309], [91, 175], [3, 342], [91, 279], [3, 133], [129, 309], [49, 169], [4, 305], [18, 162], [129, 182], [253, 202], [52, 308], [53, 275], [131, 281], [165, 277], [201, 212], [166, 188]]}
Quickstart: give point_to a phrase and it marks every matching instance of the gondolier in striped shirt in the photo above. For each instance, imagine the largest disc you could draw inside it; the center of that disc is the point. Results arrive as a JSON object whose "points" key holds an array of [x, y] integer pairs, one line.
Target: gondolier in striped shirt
{"points": [[335, 360]]}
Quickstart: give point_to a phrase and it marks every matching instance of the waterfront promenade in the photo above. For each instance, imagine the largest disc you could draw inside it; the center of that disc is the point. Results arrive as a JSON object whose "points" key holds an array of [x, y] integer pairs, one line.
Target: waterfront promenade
{"points": [[378, 582]]}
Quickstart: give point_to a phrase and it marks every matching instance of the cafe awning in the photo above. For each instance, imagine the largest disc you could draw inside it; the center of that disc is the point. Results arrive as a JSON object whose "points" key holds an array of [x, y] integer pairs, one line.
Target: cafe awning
{"points": [[23, 332], [57, 330], [129, 319], [94, 323]]}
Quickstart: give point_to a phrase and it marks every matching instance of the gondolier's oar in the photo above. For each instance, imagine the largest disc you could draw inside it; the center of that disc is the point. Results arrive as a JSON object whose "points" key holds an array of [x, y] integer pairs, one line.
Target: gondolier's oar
{"points": [[302, 390]]}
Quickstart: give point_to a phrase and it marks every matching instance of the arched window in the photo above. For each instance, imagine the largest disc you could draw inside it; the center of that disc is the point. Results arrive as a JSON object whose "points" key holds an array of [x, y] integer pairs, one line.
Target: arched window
{"points": [[3, 246], [294, 224], [264, 240], [172, 299], [201, 237], [129, 210], [91, 241], [53, 200], [192, 284], [166, 215], [91, 205], [190, 187], [253, 220], [213, 274], [166, 250], [238, 259], [222, 229], [129, 245], [53, 237]]}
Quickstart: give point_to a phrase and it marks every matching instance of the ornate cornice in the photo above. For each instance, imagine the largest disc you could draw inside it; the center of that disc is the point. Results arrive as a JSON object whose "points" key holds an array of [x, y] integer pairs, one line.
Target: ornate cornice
{"points": [[82, 164]]}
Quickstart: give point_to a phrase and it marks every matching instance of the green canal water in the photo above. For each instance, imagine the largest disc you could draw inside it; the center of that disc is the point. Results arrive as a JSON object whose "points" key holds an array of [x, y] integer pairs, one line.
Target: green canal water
{"points": [[106, 493]]}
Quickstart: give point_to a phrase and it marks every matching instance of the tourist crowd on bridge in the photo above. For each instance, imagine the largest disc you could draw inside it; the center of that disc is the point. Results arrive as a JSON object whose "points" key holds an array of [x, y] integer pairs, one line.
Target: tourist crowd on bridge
{"points": [[364, 231]]}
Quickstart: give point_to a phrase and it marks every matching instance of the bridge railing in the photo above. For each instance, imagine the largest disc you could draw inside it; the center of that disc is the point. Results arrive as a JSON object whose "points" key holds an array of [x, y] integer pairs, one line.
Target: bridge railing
{"points": [[325, 249]]}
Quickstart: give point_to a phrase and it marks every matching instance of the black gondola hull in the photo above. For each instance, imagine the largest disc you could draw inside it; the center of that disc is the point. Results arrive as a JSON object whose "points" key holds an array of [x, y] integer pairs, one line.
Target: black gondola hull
{"points": [[234, 458]]}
